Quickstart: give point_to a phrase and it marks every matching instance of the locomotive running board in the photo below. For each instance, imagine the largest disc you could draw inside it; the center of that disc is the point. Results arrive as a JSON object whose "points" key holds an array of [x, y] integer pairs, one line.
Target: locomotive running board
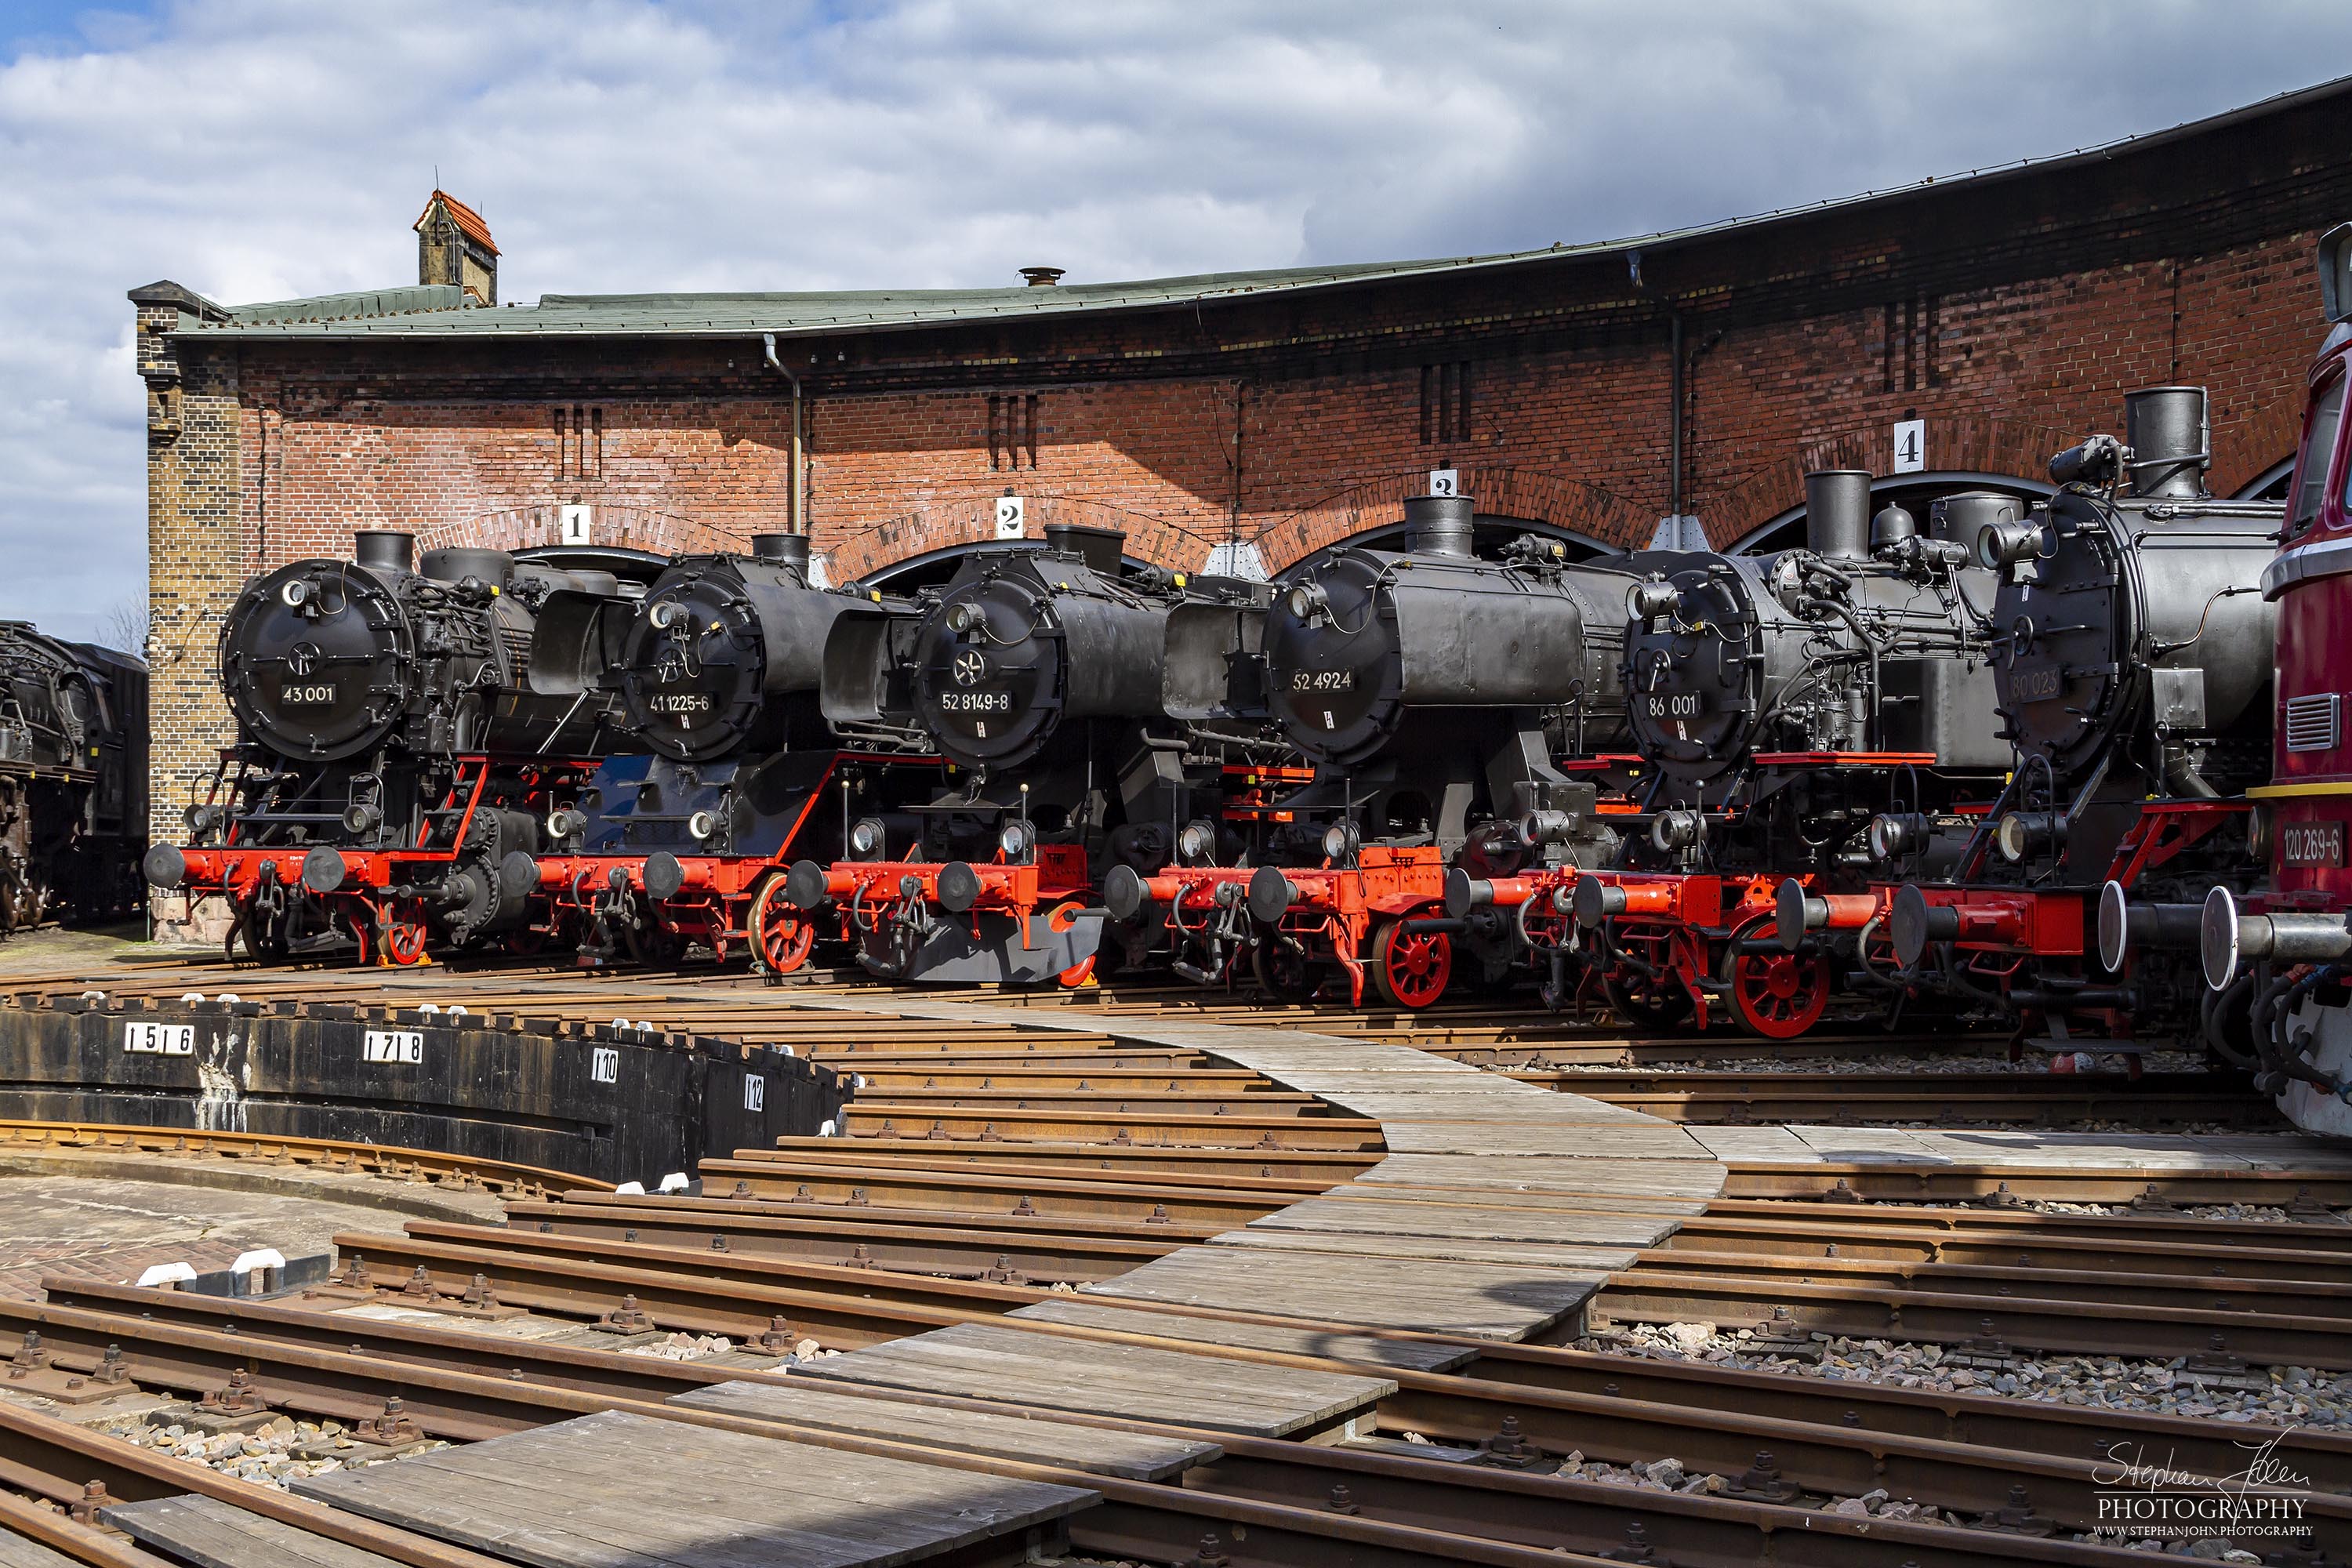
{"points": [[951, 956]]}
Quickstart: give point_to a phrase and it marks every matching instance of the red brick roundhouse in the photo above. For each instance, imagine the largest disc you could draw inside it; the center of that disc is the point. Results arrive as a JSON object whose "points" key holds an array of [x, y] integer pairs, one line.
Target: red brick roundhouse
{"points": [[1589, 390]]}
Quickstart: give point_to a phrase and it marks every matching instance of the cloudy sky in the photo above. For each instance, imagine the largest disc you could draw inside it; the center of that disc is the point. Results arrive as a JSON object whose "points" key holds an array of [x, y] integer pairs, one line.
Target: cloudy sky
{"points": [[259, 148]]}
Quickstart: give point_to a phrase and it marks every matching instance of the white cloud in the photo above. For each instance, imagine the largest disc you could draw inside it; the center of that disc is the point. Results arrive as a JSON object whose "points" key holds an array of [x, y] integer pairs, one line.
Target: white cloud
{"points": [[257, 149]]}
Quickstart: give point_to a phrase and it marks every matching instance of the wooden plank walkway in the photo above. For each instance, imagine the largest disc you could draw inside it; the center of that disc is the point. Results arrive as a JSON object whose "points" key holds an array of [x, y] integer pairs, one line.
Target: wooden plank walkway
{"points": [[1363, 1350], [211, 1533], [20, 1551], [2153, 1151], [1095, 1377], [1037, 1440], [618, 1490]]}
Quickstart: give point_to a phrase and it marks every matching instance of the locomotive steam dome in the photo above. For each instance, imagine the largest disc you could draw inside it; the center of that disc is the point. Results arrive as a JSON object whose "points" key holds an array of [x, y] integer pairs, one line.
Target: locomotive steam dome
{"points": [[2136, 615], [1370, 636], [715, 639], [1023, 640], [316, 658]]}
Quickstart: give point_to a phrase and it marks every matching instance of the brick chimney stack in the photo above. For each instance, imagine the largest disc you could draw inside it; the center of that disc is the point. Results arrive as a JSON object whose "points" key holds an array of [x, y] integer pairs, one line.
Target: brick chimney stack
{"points": [[453, 245]]}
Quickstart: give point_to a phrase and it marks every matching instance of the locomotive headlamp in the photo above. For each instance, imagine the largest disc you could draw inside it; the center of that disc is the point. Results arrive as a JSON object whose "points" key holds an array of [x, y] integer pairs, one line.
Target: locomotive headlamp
{"points": [[1896, 833], [702, 825], [2000, 544], [201, 818], [1340, 842], [1674, 830], [1197, 844], [562, 824], [962, 618], [295, 592], [1016, 839], [2020, 832], [1308, 602], [1646, 601], [866, 838], [664, 613], [359, 819]]}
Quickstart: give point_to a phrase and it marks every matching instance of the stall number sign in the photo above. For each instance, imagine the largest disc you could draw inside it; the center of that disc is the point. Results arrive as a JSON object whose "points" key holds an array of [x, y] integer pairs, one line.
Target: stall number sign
{"points": [[1911, 447], [755, 1094], [577, 521], [604, 1063], [1445, 481], [399, 1047], [1012, 516], [158, 1040]]}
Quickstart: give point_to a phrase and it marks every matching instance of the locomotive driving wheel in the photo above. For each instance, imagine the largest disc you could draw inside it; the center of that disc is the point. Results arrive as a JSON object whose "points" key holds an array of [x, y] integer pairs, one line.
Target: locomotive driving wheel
{"points": [[404, 942], [1653, 1000], [1411, 968], [1776, 995], [1282, 970], [783, 934]]}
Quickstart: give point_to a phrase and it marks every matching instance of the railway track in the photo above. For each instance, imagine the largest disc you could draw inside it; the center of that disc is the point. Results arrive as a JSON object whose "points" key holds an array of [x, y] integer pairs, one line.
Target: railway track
{"points": [[1015, 1174]]}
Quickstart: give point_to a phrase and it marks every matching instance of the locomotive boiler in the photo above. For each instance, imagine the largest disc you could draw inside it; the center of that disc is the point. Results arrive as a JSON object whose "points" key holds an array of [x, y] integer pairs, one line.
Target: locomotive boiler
{"points": [[73, 779], [392, 767]]}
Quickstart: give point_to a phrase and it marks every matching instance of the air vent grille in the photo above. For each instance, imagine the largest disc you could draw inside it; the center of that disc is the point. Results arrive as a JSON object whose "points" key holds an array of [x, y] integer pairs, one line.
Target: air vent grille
{"points": [[2315, 723]]}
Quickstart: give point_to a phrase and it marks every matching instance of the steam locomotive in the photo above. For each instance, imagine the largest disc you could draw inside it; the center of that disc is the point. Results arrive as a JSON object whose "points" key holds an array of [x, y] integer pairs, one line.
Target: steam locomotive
{"points": [[2132, 661], [1433, 692], [1091, 716], [1782, 704], [73, 779], [731, 771], [391, 770]]}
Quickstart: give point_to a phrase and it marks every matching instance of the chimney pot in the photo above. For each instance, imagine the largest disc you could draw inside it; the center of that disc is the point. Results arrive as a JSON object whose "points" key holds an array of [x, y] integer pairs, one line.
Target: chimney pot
{"points": [[1041, 277]]}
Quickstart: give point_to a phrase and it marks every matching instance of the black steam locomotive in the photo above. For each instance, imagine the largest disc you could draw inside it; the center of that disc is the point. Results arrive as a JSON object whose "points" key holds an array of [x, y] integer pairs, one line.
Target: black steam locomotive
{"points": [[392, 769], [1073, 745], [732, 770], [2133, 659], [1434, 692], [73, 779]]}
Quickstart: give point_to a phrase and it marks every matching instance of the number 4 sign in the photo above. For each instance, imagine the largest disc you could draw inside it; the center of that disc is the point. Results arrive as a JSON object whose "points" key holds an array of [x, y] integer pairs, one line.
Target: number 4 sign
{"points": [[1911, 447]]}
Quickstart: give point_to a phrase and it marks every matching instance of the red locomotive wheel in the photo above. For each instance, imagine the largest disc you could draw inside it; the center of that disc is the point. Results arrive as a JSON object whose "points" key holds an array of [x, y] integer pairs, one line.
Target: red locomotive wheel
{"points": [[528, 941], [782, 934], [403, 943], [1776, 995], [1410, 967], [1654, 1000], [1283, 972]]}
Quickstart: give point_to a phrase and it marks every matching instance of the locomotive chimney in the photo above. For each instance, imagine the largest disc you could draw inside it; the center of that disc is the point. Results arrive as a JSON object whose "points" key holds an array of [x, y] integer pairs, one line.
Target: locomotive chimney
{"points": [[1959, 519], [385, 547], [784, 549], [2172, 444], [1440, 524], [1100, 547], [1837, 512]]}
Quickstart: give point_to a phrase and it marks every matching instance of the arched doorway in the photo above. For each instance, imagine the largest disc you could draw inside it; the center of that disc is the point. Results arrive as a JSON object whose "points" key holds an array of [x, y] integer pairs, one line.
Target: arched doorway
{"points": [[2270, 484]]}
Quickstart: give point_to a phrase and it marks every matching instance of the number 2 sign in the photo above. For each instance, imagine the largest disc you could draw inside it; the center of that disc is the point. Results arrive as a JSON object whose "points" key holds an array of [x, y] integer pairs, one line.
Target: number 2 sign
{"points": [[1011, 512]]}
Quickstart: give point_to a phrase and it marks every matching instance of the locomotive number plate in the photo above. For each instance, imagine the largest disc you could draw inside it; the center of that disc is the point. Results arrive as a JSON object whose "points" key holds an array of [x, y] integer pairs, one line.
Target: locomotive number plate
{"points": [[1322, 681], [975, 703], [320, 694], [1673, 705], [401, 1048], [681, 702], [158, 1040], [2038, 685], [2312, 844]]}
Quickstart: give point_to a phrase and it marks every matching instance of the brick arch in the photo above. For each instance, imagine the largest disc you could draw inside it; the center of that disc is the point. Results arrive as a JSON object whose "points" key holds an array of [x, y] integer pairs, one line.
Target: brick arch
{"points": [[1983, 445], [972, 520], [1536, 495], [2245, 448], [633, 527]]}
